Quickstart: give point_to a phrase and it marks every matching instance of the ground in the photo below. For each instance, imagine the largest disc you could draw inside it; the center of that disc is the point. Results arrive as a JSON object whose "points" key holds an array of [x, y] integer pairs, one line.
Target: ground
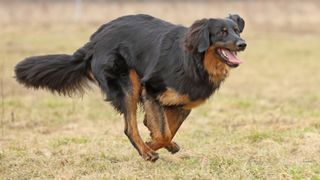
{"points": [[263, 123]]}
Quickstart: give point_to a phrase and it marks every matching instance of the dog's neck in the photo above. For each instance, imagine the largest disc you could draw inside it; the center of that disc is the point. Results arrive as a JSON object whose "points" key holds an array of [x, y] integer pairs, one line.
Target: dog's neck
{"points": [[216, 69], [205, 66]]}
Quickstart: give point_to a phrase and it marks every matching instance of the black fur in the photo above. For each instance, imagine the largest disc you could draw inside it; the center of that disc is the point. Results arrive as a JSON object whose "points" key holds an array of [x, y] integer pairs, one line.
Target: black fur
{"points": [[164, 56], [240, 22], [61, 73]]}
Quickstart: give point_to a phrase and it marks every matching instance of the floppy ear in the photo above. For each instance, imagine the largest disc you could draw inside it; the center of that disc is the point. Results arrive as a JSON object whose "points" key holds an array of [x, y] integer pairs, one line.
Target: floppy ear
{"points": [[197, 38], [237, 19]]}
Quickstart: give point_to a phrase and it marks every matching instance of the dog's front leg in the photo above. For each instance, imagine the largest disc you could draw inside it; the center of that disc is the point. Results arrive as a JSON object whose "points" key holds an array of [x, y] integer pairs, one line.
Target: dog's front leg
{"points": [[175, 117], [156, 122]]}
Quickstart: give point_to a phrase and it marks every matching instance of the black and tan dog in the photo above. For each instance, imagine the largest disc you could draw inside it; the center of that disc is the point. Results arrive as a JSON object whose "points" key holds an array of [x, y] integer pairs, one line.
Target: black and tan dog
{"points": [[168, 68]]}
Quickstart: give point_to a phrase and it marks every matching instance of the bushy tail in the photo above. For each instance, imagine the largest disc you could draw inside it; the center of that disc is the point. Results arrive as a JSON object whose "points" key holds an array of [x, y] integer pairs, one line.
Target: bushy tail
{"points": [[61, 73]]}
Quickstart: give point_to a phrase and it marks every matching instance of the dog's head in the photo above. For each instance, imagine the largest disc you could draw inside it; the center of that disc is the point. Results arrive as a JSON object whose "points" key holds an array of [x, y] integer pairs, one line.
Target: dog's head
{"points": [[223, 35]]}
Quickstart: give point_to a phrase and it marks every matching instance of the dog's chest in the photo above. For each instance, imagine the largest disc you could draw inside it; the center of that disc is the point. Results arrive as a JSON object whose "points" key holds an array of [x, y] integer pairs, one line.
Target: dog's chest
{"points": [[170, 97]]}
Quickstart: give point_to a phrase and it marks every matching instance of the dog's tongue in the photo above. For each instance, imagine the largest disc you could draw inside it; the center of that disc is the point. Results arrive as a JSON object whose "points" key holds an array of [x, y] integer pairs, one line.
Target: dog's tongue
{"points": [[231, 56]]}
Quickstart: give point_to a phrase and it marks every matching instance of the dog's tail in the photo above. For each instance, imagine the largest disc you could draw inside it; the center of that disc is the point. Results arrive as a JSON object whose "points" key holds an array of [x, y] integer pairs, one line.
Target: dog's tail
{"points": [[60, 73]]}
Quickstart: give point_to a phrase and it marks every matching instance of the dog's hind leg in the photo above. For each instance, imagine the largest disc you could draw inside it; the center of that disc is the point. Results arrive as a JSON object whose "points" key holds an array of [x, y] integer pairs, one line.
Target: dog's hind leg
{"points": [[122, 88], [131, 127]]}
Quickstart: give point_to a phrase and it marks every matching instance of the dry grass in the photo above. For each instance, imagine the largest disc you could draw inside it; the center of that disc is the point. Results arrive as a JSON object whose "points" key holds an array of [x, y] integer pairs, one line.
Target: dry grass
{"points": [[264, 123]]}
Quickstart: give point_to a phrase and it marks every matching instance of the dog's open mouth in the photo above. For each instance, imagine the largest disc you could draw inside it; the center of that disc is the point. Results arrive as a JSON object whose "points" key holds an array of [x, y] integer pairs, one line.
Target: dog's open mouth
{"points": [[229, 57]]}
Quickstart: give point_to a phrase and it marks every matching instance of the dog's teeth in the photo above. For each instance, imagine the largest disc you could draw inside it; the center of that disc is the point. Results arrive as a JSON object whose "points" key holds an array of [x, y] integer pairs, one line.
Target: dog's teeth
{"points": [[224, 54]]}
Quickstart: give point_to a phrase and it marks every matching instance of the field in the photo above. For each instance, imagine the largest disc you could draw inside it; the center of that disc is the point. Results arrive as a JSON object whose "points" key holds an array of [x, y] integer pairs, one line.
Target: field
{"points": [[263, 123]]}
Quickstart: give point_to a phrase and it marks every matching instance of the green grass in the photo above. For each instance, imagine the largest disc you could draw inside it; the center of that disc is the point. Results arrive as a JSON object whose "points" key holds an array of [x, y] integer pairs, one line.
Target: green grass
{"points": [[263, 123]]}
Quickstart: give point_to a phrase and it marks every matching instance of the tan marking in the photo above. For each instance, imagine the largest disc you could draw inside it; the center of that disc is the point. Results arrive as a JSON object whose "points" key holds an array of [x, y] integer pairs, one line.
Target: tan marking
{"points": [[216, 69], [194, 104], [90, 75], [136, 86], [171, 97]]}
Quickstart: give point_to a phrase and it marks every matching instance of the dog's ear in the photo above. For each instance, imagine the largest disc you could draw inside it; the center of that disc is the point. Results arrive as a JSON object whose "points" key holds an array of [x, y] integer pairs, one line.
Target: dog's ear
{"points": [[198, 38], [237, 19]]}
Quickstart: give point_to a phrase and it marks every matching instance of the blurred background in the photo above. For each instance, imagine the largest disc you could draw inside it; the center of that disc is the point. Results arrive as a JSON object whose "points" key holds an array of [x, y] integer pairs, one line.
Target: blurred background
{"points": [[263, 123], [272, 15]]}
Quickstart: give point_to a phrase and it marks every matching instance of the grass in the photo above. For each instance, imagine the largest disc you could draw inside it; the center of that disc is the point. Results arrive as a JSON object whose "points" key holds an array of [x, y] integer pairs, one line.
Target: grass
{"points": [[263, 123]]}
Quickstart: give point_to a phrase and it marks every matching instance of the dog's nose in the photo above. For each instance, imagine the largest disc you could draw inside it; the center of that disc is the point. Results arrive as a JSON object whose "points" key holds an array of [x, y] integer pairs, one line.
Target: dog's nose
{"points": [[241, 45]]}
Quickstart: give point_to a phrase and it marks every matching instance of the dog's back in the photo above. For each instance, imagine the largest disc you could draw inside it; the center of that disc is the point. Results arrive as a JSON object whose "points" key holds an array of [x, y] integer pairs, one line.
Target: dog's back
{"points": [[143, 37]]}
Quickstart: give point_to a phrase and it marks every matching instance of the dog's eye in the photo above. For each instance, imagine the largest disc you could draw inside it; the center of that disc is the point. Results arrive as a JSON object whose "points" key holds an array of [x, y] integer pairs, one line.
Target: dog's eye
{"points": [[223, 32]]}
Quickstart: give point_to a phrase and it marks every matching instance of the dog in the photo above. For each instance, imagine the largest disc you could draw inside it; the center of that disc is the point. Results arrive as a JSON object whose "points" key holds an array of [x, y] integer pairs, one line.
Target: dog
{"points": [[139, 59]]}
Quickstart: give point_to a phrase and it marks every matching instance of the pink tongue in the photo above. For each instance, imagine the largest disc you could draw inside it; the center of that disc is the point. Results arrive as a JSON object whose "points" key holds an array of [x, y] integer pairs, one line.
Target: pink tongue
{"points": [[231, 56]]}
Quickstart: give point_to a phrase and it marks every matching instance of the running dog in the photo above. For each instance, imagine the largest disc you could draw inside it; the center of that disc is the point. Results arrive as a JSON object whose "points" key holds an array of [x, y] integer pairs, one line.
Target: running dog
{"points": [[139, 59]]}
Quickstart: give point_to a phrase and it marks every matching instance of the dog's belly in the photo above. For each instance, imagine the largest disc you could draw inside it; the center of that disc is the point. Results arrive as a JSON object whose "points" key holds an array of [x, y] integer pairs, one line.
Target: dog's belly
{"points": [[172, 98]]}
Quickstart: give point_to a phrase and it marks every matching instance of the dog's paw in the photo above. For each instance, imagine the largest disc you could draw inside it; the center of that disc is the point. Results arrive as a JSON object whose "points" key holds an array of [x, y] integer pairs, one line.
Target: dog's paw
{"points": [[173, 147], [150, 156]]}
